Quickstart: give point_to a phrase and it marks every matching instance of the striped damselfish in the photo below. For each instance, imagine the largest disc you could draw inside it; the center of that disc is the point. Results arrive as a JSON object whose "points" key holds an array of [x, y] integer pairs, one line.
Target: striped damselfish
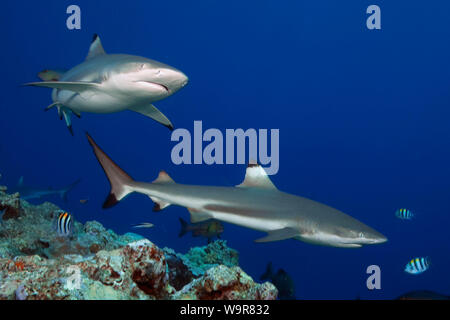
{"points": [[417, 265], [404, 214], [64, 223]]}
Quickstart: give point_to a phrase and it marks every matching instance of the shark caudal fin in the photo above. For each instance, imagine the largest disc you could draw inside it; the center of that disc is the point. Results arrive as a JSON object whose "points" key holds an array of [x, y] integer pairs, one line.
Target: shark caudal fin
{"points": [[121, 182], [184, 228], [66, 190]]}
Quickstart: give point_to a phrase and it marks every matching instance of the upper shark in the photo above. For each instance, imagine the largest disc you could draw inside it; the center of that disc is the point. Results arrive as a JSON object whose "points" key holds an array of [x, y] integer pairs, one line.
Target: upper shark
{"points": [[107, 83], [256, 203], [29, 192]]}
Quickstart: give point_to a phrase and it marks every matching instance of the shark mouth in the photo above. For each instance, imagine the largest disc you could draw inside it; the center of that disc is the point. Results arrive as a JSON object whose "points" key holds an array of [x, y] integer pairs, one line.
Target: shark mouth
{"points": [[156, 84]]}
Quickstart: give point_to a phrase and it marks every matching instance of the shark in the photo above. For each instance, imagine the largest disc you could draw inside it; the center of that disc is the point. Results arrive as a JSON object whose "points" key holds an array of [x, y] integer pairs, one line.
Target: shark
{"points": [[29, 192], [255, 203], [109, 83]]}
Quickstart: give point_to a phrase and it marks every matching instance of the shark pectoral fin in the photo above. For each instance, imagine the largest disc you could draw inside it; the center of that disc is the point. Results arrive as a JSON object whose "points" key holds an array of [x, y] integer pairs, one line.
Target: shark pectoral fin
{"points": [[96, 48], [151, 111], [159, 204], [256, 177], [198, 216], [280, 234], [77, 86]]}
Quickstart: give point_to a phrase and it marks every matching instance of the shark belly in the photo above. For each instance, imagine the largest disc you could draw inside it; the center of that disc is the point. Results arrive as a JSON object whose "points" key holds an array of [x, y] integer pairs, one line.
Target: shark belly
{"points": [[255, 223], [89, 101]]}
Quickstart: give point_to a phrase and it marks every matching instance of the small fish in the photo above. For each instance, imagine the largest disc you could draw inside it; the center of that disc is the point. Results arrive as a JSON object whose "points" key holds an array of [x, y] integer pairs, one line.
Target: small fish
{"points": [[404, 214], [146, 225], [417, 265], [64, 224], [282, 281], [208, 229], [84, 201]]}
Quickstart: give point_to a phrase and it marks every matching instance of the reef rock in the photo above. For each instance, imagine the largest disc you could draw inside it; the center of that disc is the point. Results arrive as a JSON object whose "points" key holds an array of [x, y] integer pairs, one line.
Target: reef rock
{"points": [[224, 283], [95, 263]]}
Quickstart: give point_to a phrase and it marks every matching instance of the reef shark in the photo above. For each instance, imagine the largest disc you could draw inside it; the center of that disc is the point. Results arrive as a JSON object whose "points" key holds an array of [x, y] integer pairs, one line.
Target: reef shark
{"points": [[28, 192], [255, 203], [107, 83]]}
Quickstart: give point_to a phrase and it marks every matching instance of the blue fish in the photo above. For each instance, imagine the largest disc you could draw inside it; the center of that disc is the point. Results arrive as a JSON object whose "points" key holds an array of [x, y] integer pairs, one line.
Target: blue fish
{"points": [[417, 265], [404, 214]]}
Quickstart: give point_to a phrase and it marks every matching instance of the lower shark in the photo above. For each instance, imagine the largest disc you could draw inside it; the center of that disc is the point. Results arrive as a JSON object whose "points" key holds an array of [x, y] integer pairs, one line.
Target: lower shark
{"points": [[256, 204], [108, 83], [29, 192]]}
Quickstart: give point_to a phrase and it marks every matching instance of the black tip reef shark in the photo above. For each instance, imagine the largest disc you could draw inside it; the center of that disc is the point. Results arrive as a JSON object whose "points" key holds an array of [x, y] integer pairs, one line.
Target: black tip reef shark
{"points": [[256, 203], [107, 83]]}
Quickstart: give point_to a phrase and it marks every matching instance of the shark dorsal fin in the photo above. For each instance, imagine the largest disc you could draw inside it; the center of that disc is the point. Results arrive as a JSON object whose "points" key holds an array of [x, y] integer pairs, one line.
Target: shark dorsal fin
{"points": [[256, 177], [20, 182], [96, 48], [163, 177]]}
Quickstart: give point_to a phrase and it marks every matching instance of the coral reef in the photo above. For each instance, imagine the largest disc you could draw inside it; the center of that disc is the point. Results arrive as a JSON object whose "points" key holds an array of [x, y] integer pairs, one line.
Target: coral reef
{"points": [[224, 283], [95, 263]]}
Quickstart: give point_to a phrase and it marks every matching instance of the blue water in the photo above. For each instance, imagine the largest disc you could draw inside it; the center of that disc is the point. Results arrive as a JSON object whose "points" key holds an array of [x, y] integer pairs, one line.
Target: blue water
{"points": [[363, 117]]}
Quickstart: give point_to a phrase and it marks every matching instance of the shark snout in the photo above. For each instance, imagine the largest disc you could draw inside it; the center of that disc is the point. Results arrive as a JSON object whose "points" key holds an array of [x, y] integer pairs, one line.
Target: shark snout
{"points": [[172, 79], [185, 81], [182, 80], [380, 239], [374, 237]]}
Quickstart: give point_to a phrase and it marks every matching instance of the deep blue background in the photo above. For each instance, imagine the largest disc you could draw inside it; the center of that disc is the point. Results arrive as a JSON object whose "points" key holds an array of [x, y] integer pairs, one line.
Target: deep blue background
{"points": [[363, 116]]}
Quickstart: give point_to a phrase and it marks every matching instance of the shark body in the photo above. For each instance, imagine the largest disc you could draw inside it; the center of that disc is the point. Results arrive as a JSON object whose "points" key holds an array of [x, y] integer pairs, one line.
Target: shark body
{"points": [[256, 204], [29, 192], [108, 83]]}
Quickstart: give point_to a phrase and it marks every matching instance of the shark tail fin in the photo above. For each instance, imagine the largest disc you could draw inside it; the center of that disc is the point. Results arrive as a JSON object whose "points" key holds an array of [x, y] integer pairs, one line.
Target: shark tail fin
{"points": [[184, 228], [67, 189], [121, 183], [268, 274]]}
